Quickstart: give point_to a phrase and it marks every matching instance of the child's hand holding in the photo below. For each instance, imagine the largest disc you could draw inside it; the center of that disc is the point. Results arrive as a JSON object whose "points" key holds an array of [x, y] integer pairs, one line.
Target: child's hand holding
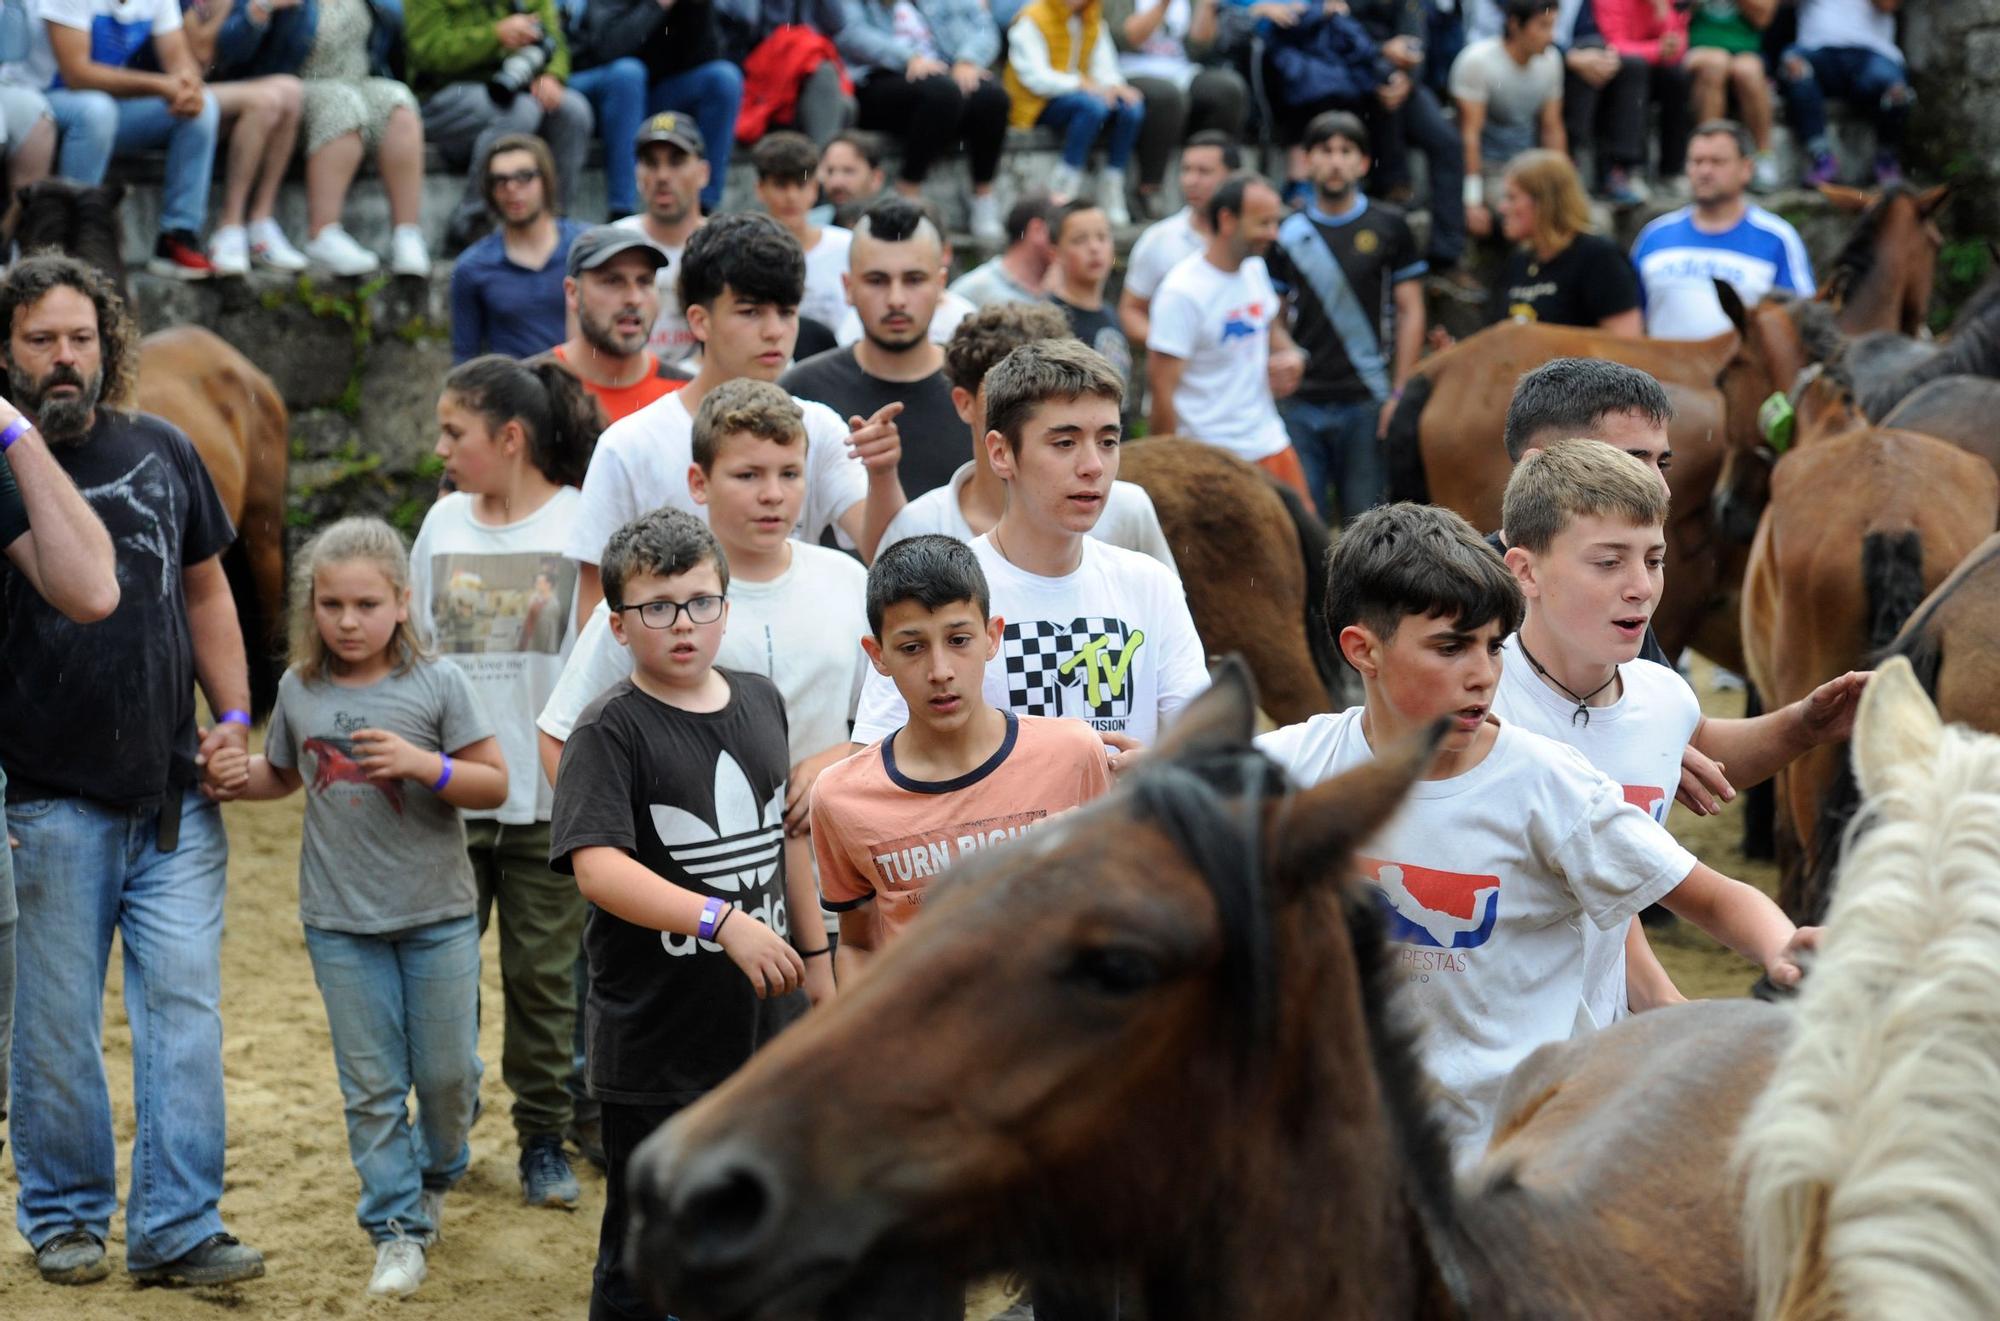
{"points": [[1788, 966], [765, 957], [386, 756], [225, 774]]}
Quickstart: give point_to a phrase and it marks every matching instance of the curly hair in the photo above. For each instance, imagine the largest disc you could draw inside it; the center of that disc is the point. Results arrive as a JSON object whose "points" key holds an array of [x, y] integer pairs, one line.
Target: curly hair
{"points": [[991, 333], [30, 281]]}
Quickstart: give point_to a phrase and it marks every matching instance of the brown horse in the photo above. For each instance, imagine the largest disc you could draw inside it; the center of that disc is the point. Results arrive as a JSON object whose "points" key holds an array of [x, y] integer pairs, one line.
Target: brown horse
{"points": [[228, 407], [1881, 277], [1960, 409], [1860, 527], [1181, 1059], [1253, 559]]}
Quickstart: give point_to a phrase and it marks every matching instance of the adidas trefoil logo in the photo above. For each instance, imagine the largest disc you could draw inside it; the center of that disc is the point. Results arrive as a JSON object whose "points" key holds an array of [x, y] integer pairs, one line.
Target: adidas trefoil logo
{"points": [[736, 855]]}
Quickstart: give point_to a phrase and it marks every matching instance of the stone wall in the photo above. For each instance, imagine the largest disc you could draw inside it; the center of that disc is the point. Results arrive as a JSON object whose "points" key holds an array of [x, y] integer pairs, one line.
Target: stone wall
{"points": [[1954, 55]]}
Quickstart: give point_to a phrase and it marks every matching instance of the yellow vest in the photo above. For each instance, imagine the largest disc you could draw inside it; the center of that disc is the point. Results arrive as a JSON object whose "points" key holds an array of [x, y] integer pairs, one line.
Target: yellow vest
{"points": [[1051, 18]]}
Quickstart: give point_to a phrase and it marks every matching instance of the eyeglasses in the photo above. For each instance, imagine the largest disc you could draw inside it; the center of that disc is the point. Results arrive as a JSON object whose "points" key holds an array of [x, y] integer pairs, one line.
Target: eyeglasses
{"points": [[665, 614], [519, 178]]}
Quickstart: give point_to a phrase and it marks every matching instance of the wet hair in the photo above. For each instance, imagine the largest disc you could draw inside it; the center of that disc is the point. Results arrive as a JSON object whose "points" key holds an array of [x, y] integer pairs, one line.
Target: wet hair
{"points": [[752, 255], [370, 541], [1568, 397], [665, 542], [1074, 207], [30, 281], [991, 333], [1337, 124], [1408, 559], [933, 570], [1047, 369], [1575, 479], [1025, 212], [545, 164], [559, 415], [1550, 181], [746, 407], [867, 144], [1746, 146], [784, 157], [1232, 154], [1230, 193], [896, 220], [1523, 12]]}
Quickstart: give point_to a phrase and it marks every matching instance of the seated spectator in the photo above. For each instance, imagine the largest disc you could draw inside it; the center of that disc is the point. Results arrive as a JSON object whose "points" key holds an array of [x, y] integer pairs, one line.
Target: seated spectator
{"points": [[103, 108], [1316, 61], [816, 97], [923, 75], [1020, 273], [1164, 48], [786, 164], [672, 174], [692, 76], [1062, 71], [602, 35], [507, 288], [850, 175], [1509, 91], [28, 134], [1407, 115], [1650, 40], [1725, 55], [1846, 49], [1558, 271], [485, 69], [612, 302], [1082, 238], [349, 113]]}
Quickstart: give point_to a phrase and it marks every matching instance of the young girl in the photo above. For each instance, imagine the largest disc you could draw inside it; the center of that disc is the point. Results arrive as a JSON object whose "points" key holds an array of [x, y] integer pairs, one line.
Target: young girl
{"points": [[394, 743], [494, 592]]}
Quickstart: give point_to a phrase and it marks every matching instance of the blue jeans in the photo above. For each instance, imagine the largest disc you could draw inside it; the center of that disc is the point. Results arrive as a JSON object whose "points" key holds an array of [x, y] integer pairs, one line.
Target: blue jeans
{"points": [[95, 127], [617, 92], [1336, 445], [246, 49], [1855, 74], [1080, 117], [403, 1008], [84, 871], [712, 93]]}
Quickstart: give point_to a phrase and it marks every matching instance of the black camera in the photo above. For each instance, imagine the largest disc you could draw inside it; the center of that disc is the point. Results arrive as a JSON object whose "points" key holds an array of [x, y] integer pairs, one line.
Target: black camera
{"points": [[520, 68]]}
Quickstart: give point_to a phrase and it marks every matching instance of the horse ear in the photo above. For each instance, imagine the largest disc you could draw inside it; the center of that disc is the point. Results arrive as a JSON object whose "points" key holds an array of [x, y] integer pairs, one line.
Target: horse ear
{"points": [[1851, 200], [1896, 725], [1223, 717], [1732, 306], [1315, 831], [1929, 200]]}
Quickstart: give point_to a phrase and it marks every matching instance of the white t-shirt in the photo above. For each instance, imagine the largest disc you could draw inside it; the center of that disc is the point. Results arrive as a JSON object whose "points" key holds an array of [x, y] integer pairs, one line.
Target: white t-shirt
{"points": [[825, 299], [1834, 23], [1129, 519], [1637, 741], [1162, 247], [671, 340], [1487, 881], [801, 630], [1219, 323], [1112, 644], [641, 464], [951, 310], [1163, 55], [499, 601]]}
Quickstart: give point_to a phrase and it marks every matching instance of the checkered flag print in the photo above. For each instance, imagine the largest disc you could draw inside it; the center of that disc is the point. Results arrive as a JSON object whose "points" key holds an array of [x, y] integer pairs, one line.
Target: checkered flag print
{"points": [[1036, 653]]}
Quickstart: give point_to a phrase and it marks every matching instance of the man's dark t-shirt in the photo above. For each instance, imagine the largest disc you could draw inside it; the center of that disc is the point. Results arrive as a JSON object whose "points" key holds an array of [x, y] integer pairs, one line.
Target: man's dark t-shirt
{"points": [[1580, 286], [1649, 649], [13, 510], [1375, 250], [698, 798], [105, 711], [935, 441], [1097, 327]]}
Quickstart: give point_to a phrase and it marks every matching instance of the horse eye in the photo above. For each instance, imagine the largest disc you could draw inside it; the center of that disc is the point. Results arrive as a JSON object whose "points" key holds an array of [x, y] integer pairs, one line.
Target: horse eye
{"points": [[1116, 970]]}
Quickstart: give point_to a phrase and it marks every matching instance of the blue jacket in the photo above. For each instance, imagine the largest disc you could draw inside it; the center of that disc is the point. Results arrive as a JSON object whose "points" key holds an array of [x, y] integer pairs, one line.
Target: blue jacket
{"points": [[1325, 57], [962, 29]]}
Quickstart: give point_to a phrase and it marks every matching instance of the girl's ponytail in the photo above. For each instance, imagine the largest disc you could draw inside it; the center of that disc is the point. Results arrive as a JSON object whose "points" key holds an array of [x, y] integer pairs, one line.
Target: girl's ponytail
{"points": [[560, 417]]}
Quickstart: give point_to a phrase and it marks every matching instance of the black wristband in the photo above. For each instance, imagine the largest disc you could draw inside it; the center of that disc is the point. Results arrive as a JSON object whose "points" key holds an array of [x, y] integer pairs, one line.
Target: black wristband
{"points": [[722, 922], [815, 953]]}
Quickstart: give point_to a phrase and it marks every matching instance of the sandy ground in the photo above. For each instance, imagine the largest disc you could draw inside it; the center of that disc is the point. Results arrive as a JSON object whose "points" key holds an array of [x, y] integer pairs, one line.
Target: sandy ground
{"points": [[291, 1191]]}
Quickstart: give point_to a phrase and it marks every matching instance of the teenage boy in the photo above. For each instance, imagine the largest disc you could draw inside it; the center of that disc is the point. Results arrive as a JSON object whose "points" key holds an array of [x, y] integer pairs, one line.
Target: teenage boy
{"points": [[787, 164], [667, 810], [613, 301], [961, 776], [1091, 630], [670, 175], [1512, 842], [1084, 255], [741, 279], [971, 502], [895, 276], [950, 310]]}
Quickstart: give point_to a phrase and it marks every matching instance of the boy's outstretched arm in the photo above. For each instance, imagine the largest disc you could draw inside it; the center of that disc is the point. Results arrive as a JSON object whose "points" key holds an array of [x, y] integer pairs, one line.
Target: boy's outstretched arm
{"points": [[1647, 985], [1743, 918], [1756, 748], [625, 887]]}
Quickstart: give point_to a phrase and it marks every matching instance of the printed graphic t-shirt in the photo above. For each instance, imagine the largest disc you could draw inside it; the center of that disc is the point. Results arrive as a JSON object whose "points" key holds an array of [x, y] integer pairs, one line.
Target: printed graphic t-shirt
{"points": [[881, 836], [119, 30], [1112, 643], [1486, 881], [1637, 741], [1128, 520], [1219, 323], [1580, 286], [1679, 263], [377, 855], [698, 798]]}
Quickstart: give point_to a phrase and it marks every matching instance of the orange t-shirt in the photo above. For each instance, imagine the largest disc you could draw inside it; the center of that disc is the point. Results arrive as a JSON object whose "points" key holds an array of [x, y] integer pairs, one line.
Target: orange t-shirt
{"points": [[879, 835], [622, 400]]}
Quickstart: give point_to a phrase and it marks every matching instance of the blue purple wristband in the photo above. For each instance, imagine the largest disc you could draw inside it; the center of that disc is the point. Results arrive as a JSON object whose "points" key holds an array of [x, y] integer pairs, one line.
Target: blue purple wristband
{"points": [[16, 429], [234, 716], [444, 776], [712, 911]]}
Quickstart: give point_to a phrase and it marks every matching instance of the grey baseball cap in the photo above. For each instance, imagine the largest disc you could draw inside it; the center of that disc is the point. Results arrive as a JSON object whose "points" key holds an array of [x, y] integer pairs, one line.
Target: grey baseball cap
{"points": [[600, 244]]}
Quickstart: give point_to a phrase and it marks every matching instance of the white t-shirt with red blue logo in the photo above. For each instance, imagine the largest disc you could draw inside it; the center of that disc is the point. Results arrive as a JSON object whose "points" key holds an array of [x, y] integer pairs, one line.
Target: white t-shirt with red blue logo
{"points": [[1637, 741], [1219, 323], [1487, 881]]}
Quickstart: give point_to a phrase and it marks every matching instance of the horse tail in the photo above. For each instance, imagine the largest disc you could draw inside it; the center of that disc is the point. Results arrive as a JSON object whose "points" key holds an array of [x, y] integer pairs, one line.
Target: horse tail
{"points": [[1892, 579], [1402, 444], [1314, 547]]}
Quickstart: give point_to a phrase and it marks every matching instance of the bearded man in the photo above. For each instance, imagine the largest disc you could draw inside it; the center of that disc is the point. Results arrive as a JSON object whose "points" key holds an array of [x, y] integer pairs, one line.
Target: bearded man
{"points": [[613, 301], [102, 759]]}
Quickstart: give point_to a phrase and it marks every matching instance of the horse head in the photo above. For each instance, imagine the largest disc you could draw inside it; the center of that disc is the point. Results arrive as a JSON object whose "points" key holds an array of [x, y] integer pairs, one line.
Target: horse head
{"points": [[1820, 404], [1101, 1046], [78, 219], [1882, 276]]}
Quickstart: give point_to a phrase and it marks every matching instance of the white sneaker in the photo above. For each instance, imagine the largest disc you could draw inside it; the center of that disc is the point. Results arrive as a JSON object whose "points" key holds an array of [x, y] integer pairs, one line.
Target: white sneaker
{"points": [[986, 223], [399, 1268], [432, 1201], [229, 251], [1064, 182], [335, 249], [271, 248], [408, 253], [1111, 198], [1765, 176]]}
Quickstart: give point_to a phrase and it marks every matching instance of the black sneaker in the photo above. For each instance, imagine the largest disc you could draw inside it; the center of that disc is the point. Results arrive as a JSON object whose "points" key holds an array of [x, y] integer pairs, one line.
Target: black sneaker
{"points": [[217, 1259], [75, 1256], [178, 256], [546, 1178]]}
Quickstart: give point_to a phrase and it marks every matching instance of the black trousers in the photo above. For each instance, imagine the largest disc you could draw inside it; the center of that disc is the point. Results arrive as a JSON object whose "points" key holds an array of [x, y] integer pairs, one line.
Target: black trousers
{"points": [[930, 116], [613, 1296], [1618, 112], [1217, 98]]}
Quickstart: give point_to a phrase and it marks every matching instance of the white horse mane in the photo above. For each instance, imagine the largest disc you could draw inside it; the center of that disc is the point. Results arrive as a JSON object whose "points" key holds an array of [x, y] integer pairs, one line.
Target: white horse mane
{"points": [[1872, 1161]]}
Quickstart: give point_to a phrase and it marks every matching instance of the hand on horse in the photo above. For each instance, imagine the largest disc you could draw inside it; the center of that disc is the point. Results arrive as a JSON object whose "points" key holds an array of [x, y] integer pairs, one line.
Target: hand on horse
{"points": [[1827, 713], [765, 957], [1788, 967], [386, 756], [1702, 783], [875, 440]]}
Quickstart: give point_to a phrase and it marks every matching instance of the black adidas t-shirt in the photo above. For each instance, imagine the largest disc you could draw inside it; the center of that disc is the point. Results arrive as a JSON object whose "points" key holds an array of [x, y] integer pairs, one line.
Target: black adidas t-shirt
{"points": [[1376, 251], [1580, 286], [698, 798]]}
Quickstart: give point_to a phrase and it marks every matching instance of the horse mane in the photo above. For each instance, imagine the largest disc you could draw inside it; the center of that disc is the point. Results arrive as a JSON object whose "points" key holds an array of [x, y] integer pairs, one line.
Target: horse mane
{"points": [[1819, 332], [1856, 257], [1869, 1159], [1972, 350]]}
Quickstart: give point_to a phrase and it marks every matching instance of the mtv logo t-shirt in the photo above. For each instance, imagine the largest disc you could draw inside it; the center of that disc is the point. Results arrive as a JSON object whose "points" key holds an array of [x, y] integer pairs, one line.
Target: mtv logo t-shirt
{"points": [[1487, 881]]}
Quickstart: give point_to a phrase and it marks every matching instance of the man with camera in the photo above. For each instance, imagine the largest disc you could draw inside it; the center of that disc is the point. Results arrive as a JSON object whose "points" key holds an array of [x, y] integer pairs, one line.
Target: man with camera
{"points": [[485, 68]]}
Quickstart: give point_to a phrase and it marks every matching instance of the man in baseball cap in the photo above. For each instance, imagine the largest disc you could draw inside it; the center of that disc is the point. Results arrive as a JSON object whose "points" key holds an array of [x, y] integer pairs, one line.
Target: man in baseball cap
{"points": [[672, 174], [673, 128], [612, 304]]}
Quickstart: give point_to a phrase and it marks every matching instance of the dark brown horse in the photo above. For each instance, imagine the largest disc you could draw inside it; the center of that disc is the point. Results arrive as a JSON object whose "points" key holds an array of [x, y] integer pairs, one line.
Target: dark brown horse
{"points": [[1881, 277], [1964, 410], [1181, 1058], [228, 407]]}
